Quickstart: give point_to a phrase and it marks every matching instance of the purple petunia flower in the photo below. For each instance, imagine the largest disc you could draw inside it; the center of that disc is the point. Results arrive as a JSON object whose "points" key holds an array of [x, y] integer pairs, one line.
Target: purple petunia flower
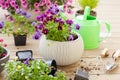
{"points": [[54, 9], [59, 27], [37, 36], [70, 38], [1, 24], [56, 20], [69, 28], [77, 27], [26, 62], [33, 23], [48, 11], [61, 23], [28, 15], [23, 13], [40, 18], [70, 22], [11, 18], [51, 18], [45, 31], [36, 27], [17, 11], [41, 26]]}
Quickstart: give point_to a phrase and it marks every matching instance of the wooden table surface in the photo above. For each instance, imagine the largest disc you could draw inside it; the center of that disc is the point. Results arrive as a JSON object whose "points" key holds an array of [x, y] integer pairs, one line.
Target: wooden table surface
{"points": [[107, 10]]}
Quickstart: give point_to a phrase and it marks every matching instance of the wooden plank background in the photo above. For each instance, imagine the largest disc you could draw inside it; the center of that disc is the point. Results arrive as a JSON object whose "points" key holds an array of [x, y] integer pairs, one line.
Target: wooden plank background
{"points": [[107, 10]]}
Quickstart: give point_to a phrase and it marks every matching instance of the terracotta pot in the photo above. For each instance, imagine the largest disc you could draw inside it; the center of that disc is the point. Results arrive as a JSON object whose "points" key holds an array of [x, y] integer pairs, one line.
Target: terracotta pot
{"points": [[4, 60], [81, 12], [64, 53]]}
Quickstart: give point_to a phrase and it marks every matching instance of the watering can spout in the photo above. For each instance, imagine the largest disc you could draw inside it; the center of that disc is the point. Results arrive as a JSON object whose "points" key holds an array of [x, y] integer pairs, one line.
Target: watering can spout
{"points": [[87, 15]]}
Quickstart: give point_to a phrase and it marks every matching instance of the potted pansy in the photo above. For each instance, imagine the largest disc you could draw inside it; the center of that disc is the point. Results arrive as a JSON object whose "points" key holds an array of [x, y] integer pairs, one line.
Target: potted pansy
{"points": [[18, 26], [4, 54], [57, 39], [31, 70], [31, 6]]}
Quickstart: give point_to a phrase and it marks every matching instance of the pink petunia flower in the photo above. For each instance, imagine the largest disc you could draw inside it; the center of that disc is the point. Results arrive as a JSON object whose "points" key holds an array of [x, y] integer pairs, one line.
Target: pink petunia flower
{"points": [[36, 5], [12, 3], [22, 1], [41, 3], [25, 5], [48, 4], [36, 11], [1, 40], [5, 45], [16, 7]]}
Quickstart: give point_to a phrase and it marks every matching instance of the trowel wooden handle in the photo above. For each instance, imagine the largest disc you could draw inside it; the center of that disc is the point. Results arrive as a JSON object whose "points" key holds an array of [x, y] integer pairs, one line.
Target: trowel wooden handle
{"points": [[116, 54]]}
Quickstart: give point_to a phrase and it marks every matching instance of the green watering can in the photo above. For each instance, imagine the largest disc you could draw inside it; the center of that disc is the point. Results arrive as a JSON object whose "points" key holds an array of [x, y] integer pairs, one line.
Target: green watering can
{"points": [[90, 29]]}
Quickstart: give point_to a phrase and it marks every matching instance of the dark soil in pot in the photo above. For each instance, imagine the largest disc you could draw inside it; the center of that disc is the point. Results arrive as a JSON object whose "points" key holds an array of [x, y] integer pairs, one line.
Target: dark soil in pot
{"points": [[20, 40], [81, 12]]}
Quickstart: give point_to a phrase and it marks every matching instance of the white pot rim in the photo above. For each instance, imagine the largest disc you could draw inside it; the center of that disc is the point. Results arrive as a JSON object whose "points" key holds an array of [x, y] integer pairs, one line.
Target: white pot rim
{"points": [[61, 41]]}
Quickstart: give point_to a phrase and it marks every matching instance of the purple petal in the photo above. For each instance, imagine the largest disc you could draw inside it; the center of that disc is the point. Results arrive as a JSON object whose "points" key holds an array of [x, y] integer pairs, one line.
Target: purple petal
{"points": [[59, 27], [70, 38], [41, 26], [26, 62], [33, 23], [70, 22], [45, 31], [1, 24], [37, 36], [77, 27], [28, 15]]}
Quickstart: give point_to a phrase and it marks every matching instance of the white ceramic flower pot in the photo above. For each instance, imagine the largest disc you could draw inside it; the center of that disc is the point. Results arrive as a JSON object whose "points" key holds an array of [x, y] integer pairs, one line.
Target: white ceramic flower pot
{"points": [[64, 53]]}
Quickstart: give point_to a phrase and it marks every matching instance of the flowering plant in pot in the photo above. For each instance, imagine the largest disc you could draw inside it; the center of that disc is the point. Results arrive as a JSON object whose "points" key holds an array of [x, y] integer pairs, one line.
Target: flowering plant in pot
{"points": [[4, 55], [91, 3], [55, 27], [31, 70], [31, 6], [18, 26]]}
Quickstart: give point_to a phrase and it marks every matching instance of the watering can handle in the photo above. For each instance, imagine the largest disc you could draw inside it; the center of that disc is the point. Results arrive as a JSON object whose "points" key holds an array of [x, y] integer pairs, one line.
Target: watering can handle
{"points": [[86, 12], [108, 29]]}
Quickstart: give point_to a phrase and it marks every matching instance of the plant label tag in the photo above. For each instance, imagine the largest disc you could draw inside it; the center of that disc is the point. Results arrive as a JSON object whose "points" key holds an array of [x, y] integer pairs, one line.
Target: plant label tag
{"points": [[23, 55]]}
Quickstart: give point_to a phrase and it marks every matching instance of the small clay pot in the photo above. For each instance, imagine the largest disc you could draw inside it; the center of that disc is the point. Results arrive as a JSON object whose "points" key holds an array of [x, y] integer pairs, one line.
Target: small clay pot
{"points": [[81, 12]]}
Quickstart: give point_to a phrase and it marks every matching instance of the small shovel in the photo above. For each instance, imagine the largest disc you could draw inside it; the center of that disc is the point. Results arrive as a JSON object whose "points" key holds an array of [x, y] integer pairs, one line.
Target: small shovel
{"points": [[110, 65]]}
